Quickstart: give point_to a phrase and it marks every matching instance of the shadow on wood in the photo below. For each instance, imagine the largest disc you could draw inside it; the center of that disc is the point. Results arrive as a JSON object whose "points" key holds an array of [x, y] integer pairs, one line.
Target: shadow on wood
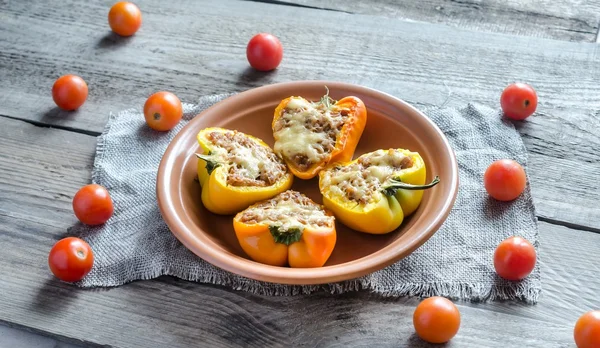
{"points": [[52, 305], [254, 78], [80, 230], [415, 341], [112, 39], [519, 125], [58, 114]]}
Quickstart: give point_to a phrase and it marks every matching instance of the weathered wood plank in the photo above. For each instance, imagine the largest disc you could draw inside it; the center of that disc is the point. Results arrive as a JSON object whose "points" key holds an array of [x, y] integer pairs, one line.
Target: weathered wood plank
{"points": [[561, 20], [36, 185], [12, 337], [443, 66]]}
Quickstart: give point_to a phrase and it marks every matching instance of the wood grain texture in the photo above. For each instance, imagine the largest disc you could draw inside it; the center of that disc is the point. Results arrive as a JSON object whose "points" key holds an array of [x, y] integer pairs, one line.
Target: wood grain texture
{"points": [[561, 20], [40, 170], [12, 337], [194, 49]]}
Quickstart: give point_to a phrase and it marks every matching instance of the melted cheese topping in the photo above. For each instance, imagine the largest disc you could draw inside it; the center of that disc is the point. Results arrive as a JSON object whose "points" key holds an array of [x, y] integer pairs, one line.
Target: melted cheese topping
{"points": [[289, 209], [362, 180], [297, 103], [306, 133], [245, 161]]}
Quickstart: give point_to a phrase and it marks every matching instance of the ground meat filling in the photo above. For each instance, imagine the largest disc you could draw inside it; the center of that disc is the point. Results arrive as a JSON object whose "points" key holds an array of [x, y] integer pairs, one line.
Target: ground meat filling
{"points": [[247, 162], [306, 133], [289, 209], [360, 181]]}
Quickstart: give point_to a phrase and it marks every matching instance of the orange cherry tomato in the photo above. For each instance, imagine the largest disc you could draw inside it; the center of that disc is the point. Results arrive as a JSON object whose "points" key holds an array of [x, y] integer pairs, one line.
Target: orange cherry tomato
{"points": [[71, 259], [514, 258], [436, 320], [518, 101], [163, 111], [587, 330], [505, 180], [92, 205], [124, 18], [69, 92]]}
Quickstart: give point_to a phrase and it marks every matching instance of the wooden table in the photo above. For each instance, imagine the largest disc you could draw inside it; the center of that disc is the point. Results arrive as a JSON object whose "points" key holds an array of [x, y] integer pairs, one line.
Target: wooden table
{"points": [[468, 52]]}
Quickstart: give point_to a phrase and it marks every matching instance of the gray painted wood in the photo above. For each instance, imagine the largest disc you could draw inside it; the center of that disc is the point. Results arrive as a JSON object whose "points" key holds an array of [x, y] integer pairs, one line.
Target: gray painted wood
{"points": [[36, 186], [12, 337], [561, 20], [202, 51], [193, 49]]}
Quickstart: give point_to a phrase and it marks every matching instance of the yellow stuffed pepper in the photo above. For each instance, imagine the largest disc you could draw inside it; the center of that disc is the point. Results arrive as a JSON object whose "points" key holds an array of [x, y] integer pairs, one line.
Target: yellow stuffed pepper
{"points": [[237, 170], [374, 193], [309, 136], [289, 229]]}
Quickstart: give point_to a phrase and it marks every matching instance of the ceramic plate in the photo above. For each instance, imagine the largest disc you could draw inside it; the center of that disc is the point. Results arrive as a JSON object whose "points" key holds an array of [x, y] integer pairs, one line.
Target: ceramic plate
{"points": [[391, 123]]}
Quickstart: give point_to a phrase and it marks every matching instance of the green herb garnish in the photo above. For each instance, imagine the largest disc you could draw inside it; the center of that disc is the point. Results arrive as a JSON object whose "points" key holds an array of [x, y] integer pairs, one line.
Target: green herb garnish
{"points": [[327, 100], [286, 237]]}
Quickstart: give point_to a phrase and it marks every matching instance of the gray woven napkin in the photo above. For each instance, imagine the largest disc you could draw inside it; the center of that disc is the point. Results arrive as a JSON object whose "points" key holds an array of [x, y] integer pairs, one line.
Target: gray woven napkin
{"points": [[456, 262]]}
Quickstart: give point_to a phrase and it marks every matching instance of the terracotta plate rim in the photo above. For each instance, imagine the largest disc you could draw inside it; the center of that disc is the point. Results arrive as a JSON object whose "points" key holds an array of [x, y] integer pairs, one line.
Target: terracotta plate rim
{"points": [[209, 251]]}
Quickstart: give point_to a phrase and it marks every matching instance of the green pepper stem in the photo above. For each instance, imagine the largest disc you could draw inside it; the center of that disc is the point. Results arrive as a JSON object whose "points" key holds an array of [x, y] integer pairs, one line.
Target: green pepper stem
{"points": [[396, 185], [207, 158], [211, 164]]}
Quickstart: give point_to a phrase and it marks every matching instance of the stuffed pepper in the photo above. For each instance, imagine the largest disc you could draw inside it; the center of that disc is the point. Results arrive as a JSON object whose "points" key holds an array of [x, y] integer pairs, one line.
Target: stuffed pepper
{"points": [[288, 229], [310, 135], [376, 191], [237, 170]]}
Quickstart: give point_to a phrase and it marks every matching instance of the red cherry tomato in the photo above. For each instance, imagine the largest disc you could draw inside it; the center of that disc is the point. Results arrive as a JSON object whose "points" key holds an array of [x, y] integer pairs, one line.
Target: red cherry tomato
{"points": [[163, 111], [518, 101], [70, 259], [587, 330], [69, 92], [92, 205], [124, 18], [264, 52], [436, 320], [514, 258], [505, 180]]}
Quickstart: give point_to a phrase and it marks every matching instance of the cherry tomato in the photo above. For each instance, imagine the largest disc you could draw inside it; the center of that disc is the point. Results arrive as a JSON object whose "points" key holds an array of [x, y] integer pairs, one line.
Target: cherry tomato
{"points": [[436, 320], [518, 101], [163, 111], [264, 52], [514, 258], [124, 18], [69, 92], [505, 180], [70, 259], [92, 205], [587, 330]]}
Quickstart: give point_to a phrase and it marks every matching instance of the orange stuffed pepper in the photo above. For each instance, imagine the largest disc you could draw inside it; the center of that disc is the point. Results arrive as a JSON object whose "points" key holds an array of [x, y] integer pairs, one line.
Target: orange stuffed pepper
{"points": [[310, 135], [288, 229]]}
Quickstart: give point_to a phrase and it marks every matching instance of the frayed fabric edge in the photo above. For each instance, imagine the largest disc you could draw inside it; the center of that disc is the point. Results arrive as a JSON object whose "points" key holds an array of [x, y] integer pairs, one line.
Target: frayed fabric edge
{"points": [[528, 294]]}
